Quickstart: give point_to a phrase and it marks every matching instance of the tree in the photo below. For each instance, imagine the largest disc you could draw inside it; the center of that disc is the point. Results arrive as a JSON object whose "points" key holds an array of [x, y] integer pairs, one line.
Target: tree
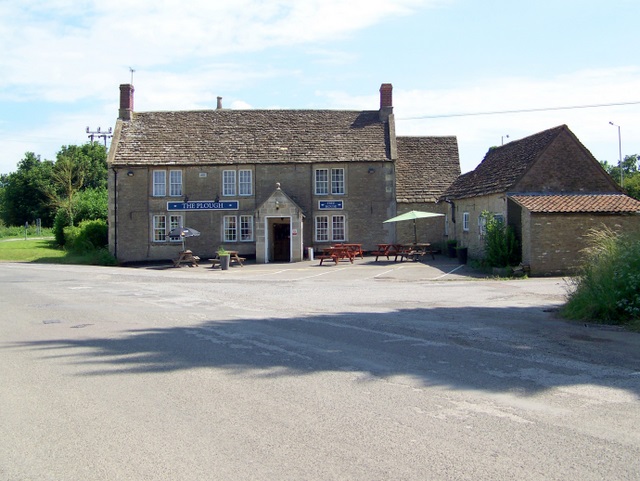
{"points": [[77, 168], [630, 173], [23, 195], [89, 160], [39, 188]]}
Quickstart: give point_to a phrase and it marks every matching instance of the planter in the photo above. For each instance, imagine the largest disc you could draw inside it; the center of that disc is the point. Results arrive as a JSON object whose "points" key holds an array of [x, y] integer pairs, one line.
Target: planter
{"points": [[451, 250], [224, 261], [462, 254]]}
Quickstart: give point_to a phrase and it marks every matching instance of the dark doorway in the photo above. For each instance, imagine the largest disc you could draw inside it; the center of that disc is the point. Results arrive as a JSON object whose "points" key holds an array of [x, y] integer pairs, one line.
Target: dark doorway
{"points": [[281, 243]]}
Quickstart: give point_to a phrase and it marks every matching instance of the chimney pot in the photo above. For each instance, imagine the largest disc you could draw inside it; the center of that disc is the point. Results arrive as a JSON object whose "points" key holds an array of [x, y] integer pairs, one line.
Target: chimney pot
{"points": [[126, 101], [219, 106]]}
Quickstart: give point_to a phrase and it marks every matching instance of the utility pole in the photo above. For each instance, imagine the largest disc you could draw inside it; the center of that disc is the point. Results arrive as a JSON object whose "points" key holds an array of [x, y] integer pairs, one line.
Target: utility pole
{"points": [[619, 154], [92, 134]]}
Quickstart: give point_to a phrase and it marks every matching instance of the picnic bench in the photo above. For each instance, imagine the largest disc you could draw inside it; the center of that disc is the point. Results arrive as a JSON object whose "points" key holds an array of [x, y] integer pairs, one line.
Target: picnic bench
{"points": [[234, 257], [186, 257], [336, 254]]}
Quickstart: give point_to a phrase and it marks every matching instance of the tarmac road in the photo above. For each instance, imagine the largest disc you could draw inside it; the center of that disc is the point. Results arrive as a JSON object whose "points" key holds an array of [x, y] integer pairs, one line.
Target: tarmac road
{"points": [[369, 371]]}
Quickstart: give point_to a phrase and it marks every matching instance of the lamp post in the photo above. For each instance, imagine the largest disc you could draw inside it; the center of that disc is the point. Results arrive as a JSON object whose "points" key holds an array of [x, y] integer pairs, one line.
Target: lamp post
{"points": [[502, 139], [619, 154]]}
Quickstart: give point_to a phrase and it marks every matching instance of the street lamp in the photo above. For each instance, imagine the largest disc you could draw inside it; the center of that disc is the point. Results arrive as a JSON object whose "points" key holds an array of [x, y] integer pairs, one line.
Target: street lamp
{"points": [[502, 138], [619, 154]]}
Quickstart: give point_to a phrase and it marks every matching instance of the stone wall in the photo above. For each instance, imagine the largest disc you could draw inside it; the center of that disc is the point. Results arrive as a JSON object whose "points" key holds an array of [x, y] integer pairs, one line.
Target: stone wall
{"points": [[369, 200], [475, 206], [555, 241]]}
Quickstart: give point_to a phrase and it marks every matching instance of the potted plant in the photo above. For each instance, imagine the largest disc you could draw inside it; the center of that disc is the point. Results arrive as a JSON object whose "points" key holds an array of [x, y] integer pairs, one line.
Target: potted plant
{"points": [[462, 253], [224, 257], [451, 248]]}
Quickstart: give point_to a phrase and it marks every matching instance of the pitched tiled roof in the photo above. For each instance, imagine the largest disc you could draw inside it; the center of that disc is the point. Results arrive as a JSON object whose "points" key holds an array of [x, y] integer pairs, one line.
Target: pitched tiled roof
{"points": [[250, 136], [503, 166], [578, 203], [426, 166]]}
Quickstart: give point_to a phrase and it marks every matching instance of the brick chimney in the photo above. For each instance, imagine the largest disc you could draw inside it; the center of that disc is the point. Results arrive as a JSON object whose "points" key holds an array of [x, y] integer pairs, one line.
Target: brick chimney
{"points": [[386, 101], [126, 101]]}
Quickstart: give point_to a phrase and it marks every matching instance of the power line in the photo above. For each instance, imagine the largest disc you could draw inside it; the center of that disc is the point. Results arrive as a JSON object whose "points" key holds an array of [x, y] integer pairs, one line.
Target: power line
{"points": [[520, 111]]}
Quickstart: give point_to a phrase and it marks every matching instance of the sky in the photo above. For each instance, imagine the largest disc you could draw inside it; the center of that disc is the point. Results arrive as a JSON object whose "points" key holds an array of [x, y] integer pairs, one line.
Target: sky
{"points": [[487, 72]]}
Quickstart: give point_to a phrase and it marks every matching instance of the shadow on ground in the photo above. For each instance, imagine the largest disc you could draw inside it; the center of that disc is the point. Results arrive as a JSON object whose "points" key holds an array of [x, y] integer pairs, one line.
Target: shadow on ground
{"points": [[524, 350]]}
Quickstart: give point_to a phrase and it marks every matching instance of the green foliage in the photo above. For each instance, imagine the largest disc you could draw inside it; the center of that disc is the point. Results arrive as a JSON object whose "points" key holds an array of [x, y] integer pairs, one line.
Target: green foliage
{"points": [[88, 236], [500, 244], [91, 204], [632, 186], [608, 288], [23, 195], [61, 221], [630, 173], [222, 251], [39, 188], [18, 232]]}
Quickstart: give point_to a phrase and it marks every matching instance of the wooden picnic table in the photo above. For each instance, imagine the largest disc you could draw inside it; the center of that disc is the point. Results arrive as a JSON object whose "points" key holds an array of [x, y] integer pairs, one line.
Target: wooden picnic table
{"points": [[336, 254], [186, 257], [387, 250], [234, 257], [356, 249], [416, 251]]}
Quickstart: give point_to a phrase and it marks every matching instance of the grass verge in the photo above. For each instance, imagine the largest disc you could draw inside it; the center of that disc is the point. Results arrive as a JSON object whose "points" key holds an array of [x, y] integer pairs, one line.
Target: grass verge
{"points": [[47, 251], [608, 289]]}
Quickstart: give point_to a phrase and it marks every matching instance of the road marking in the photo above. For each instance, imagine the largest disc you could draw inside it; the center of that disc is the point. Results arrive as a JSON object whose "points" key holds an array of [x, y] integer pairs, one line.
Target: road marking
{"points": [[450, 272]]}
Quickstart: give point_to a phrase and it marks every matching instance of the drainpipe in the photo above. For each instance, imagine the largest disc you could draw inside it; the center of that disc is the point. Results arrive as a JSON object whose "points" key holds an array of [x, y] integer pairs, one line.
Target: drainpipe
{"points": [[453, 209]]}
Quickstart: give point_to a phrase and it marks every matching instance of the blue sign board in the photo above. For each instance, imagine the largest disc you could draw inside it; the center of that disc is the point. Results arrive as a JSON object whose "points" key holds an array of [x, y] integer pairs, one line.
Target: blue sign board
{"points": [[204, 205], [331, 204]]}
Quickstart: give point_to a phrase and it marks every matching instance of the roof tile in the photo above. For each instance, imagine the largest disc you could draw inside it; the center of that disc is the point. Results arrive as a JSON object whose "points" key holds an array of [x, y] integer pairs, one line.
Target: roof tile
{"points": [[426, 166], [251, 136], [578, 203]]}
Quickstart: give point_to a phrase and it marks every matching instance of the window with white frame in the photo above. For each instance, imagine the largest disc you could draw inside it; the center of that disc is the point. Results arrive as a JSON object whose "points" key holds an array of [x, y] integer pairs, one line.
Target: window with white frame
{"points": [[175, 222], [465, 221], [329, 181], [159, 228], [159, 183], [231, 224], [338, 228], [228, 183], [175, 183], [331, 228], [246, 228], [337, 181], [245, 182], [230, 228], [322, 228], [482, 226], [322, 181]]}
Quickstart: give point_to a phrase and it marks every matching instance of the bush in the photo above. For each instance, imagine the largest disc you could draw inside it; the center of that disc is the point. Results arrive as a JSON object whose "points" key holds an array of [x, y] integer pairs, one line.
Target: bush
{"points": [[90, 204], [608, 287], [60, 221], [89, 235], [500, 244]]}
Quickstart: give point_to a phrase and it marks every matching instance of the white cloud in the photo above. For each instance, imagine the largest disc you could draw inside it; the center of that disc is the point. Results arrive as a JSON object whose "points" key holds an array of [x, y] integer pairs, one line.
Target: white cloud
{"points": [[477, 133], [68, 50]]}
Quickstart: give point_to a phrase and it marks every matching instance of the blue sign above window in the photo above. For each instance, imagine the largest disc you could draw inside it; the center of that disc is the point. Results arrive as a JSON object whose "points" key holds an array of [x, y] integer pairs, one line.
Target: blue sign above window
{"points": [[204, 205], [331, 204]]}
